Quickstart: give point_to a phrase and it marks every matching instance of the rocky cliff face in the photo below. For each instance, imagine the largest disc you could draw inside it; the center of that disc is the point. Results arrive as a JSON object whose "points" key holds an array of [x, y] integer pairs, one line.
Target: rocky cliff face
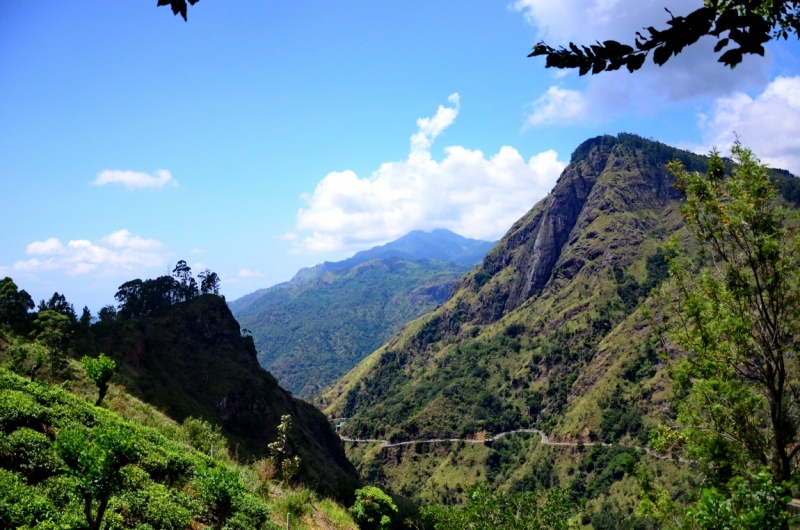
{"points": [[532, 248], [557, 279], [193, 361]]}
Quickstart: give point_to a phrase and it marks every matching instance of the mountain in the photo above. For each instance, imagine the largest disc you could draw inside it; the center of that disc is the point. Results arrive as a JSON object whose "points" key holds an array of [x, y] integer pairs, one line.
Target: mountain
{"points": [[438, 244], [192, 360], [545, 333], [310, 332]]}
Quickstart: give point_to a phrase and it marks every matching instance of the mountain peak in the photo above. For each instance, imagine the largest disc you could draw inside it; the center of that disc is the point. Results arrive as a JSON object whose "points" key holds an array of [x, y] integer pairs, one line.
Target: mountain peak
{"points": [[438, 244]]}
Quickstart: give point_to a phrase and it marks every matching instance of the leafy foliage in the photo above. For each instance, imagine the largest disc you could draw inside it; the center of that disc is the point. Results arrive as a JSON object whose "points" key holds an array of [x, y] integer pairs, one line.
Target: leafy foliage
{"points": [[739, 323], [754, 502], [372, 509], [747, 24], [204, 436], [177, 6], [534, 510], [63, 461], [280, 451], [99, 371], [95, 459], [14, 303], [137, 297]]}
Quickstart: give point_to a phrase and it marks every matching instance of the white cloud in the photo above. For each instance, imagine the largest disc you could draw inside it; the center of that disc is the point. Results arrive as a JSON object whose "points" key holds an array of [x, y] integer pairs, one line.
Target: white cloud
{"points": [[558, 105], [196, 251], [117, 252], [693, 74], [768, 123], [466, 192], [135, 179], [48, 246], [288, 236], [430, 128], [247, 273]]}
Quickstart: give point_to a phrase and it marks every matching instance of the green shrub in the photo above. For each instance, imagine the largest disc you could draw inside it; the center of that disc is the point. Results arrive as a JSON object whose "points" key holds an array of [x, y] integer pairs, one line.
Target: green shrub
{"points": [[99, 371], [204, 436], [95, 458], [19, 504], [219, 488], [19, 410], [294, 503], [155, 505], [27, 357], [538, 510], [372, 508], [30, 453], [250, 513]]}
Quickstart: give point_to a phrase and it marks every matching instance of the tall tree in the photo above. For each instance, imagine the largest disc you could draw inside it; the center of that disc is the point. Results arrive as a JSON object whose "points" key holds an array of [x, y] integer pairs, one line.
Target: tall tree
{"points": [[14, 303], [740, 321], [59, 304], [54, 331], [737, 385], [741, 26], [209, 282], [188, 285], [129, 298]]}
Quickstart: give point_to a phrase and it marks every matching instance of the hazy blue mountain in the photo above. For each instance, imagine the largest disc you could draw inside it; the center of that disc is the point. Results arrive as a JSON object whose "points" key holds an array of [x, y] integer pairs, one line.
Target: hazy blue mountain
{"points": [[316, 327], [440, 244]]}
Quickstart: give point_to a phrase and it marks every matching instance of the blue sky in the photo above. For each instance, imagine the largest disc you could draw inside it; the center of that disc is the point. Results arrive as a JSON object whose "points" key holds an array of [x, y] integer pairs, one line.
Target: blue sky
{"points": [[260, 137]]}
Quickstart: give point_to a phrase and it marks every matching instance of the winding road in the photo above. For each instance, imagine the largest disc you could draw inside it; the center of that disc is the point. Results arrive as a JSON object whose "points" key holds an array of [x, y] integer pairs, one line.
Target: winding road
{"points": [[544, 441]]}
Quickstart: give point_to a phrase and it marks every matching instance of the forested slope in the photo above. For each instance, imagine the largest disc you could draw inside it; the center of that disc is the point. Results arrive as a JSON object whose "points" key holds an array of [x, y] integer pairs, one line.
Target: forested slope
{"points": [[310, 332], [546, 332]]}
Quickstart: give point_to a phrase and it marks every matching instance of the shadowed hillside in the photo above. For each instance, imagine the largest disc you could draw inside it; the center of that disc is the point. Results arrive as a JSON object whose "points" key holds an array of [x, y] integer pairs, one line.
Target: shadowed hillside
{"points": [[191, 360]]}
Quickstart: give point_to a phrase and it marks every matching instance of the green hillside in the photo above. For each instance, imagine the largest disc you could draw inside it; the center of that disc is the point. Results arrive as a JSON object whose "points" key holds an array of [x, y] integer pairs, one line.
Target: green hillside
{"points": [[308, 333], [548, 332], [65, 463], [177, 437], [192, 360]]}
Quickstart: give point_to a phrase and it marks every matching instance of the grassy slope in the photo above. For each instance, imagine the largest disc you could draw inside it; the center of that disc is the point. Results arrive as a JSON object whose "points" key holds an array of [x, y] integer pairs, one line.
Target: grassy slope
{"points": [[165, 477], [572, 356], [310, 333], [193, 361]]}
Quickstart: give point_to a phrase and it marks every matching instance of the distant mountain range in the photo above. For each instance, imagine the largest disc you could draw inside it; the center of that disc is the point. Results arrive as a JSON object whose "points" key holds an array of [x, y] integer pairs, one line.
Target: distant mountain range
{"points": [[314, 328], [438, 244]]}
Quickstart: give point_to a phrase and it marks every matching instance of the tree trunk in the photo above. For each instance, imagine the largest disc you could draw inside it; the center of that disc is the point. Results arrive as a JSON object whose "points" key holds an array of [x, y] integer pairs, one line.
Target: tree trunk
{"points": [[102, 394]]}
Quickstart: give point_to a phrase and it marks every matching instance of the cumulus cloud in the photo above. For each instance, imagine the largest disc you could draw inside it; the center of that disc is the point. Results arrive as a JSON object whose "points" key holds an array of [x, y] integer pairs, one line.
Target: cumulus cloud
{"points": [[134, 179], [693, 74], [768, 123], [247, 273], [558, 105], [119, 251], [466, 192]]}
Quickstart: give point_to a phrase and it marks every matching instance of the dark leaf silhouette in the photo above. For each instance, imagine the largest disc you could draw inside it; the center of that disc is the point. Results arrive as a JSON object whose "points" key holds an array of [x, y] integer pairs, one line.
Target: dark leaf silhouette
{"points": [[178, 6], [746, 25]]}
